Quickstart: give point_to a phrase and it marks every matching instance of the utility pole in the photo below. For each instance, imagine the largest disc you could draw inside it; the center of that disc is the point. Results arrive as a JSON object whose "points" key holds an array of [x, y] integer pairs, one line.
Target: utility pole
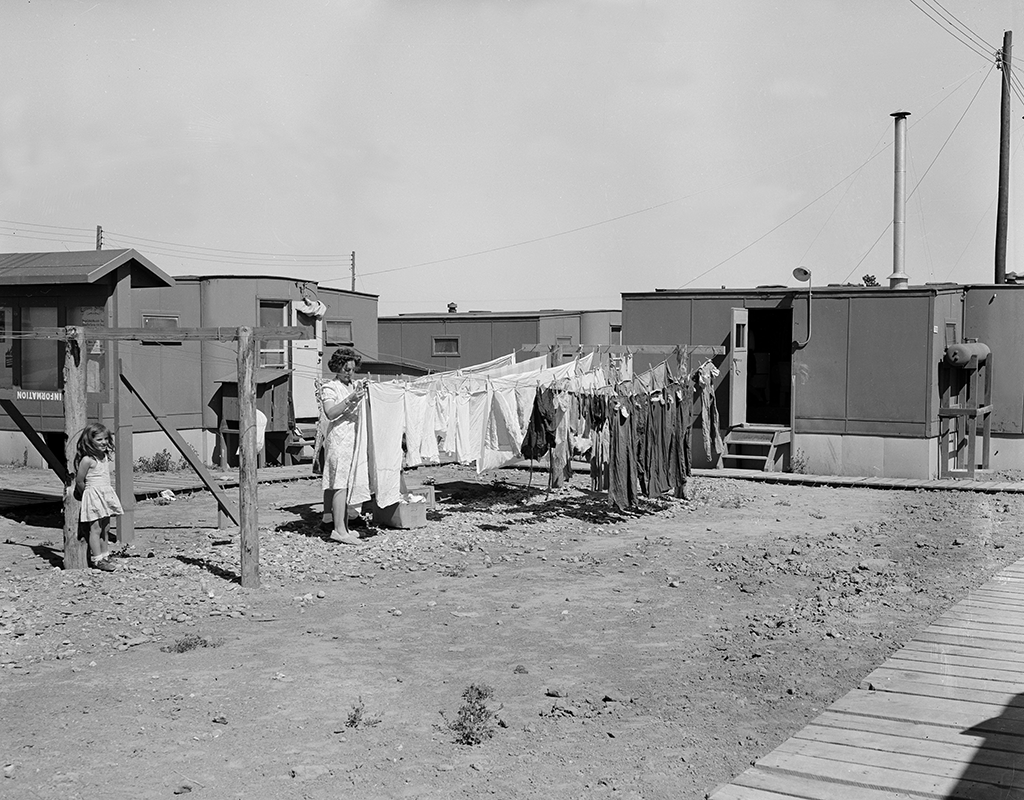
{"points": [[99, 237], [353, 270], [1002, 210]]}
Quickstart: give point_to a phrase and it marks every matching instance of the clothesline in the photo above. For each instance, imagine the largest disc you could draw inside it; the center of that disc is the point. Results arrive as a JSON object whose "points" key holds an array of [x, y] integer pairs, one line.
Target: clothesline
{"points": [[483, 414]]}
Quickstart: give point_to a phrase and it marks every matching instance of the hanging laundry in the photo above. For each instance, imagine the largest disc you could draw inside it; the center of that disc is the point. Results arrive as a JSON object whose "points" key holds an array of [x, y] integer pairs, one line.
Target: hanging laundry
{"points": [[560, 462], [705, 378], [540, 435], [681, 415], [622, 478], [387, 413]]}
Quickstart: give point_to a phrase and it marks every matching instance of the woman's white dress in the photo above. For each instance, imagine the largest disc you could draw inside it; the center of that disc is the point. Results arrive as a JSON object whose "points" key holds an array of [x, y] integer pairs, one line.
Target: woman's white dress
{"points": [[339, 436]]}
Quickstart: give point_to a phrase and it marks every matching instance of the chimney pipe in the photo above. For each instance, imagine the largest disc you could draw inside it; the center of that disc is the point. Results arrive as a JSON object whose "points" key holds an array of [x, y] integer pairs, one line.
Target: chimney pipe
{"points": [[899, 279], [452, 308]]}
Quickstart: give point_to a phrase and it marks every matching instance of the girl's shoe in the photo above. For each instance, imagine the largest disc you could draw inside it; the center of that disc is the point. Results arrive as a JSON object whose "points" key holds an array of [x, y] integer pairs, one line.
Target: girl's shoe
{"points": [[105, 566], [344, 538]]}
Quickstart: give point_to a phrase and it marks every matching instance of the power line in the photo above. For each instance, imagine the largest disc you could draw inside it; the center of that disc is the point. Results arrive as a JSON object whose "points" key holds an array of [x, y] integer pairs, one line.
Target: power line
{"points": [[787, 219], [41, 225], [974, 37], [240, 261], [918, 184], [177, 245], [952, 32]]}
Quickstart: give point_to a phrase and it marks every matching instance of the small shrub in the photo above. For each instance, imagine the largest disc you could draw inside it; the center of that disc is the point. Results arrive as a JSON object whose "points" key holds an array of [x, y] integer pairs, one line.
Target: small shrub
{"points": [[190, 641], [159, 462], [798, 462], [358, 718], [475, 720], [453, 570]]}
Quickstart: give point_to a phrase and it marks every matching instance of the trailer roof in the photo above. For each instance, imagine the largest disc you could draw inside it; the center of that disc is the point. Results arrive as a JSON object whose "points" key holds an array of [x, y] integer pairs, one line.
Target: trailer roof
{"points": [[78, 266]]}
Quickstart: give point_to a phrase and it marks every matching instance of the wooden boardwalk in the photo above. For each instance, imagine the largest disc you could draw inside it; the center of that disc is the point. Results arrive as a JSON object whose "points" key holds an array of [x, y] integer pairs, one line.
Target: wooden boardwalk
{"points": [[942, 718]]}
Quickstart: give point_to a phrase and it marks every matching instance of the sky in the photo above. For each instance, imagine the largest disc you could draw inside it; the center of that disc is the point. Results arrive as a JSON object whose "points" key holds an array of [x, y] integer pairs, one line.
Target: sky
{"points": [[511, 155]]}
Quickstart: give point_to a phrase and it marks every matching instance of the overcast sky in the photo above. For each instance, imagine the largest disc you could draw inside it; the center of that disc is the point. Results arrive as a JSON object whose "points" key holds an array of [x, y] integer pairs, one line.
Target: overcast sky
{"points": [[541, 154]]}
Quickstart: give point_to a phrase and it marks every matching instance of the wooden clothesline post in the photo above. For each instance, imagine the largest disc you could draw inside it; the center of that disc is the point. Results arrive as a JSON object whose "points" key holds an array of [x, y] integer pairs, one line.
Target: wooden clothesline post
{"points": [[75, 550], [249, 536]]}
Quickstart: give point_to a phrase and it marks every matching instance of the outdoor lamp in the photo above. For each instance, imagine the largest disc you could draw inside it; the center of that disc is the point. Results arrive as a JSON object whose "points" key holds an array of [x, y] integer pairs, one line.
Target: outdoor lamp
{"points": [[804, 274]]}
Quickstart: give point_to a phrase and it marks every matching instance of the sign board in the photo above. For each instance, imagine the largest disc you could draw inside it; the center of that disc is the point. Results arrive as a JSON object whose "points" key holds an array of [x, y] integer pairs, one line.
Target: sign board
{"points": [[35, 394]]}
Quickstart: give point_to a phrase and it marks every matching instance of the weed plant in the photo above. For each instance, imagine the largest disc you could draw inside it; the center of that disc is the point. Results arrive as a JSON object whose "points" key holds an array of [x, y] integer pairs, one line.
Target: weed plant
{"points": [[475, 721], [358, 718]]}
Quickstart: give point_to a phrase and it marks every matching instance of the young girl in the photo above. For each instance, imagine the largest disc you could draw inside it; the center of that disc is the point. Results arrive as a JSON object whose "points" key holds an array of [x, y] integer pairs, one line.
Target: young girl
{"points": [[92, 485]]}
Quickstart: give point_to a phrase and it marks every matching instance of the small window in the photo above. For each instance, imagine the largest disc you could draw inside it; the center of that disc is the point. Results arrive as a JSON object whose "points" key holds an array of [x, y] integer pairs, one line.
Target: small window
{"points": [[159, 321], [338, 332], [446, 345], [615, 337], [741, 336]]}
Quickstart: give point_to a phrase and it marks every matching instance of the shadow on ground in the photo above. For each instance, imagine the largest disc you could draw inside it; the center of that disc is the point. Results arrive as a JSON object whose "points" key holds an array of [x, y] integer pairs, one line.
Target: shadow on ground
{"points": [[213, 569]]}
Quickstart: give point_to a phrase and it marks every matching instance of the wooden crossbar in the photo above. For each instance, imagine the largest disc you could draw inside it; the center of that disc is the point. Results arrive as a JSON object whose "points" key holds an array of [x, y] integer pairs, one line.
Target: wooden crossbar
{"points": [[705, 350], [167, 334]]}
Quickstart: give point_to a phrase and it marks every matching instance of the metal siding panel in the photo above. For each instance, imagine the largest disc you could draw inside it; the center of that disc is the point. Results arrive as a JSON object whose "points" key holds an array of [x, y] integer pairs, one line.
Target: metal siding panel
{"points": [[888, 377], [389, 337], [947, 306], [656, 320], [820, 367], [811, 425], [171, 375], [474, 341], [547, 330], [417, 344], [993, 315], [509, 335]]}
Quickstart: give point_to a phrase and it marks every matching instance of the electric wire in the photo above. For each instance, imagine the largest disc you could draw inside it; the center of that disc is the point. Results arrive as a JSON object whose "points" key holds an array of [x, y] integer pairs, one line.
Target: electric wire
{"points": [[970, 34], [951, 31], [232, 260], [175, 245], [918, 184], [984, 216], [920, 211], [787, 219], [846, 191]]}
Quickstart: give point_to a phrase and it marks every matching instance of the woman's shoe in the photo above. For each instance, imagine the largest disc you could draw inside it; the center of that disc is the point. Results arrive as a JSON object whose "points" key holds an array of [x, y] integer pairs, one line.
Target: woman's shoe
{"points": [[104, 566], [344, 538]]}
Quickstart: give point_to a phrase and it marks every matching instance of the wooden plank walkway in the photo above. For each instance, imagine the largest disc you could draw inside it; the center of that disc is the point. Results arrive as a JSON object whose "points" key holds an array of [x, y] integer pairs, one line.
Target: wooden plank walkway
{"points": [[942, 718]]}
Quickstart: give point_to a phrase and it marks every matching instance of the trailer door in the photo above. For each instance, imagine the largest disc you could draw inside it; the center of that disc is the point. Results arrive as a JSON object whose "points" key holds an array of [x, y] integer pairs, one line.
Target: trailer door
{"points": [[738, 367]]}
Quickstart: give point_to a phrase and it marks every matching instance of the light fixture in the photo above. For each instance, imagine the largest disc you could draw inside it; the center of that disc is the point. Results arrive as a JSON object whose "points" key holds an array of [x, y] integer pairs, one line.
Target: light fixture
{"points": [[803, 274]]}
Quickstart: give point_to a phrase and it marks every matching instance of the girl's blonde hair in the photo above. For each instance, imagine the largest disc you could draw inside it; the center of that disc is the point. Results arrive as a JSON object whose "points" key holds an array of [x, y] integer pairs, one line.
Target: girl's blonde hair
{"points": [[88, 446]]}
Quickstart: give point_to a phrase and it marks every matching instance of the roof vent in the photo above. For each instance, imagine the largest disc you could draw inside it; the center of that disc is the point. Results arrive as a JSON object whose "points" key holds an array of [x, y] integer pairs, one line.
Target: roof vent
{"points": [[452, 308]]}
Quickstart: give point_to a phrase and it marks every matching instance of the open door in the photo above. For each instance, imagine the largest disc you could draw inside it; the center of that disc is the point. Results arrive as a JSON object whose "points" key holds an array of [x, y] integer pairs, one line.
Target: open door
{"points": [[307, 361], [738, 342]]}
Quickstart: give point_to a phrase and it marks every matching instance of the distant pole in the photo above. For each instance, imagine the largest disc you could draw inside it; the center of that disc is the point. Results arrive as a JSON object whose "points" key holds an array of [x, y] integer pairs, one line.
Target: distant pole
{"points": [[899, 278], [75, 548], [1002, 210], [248, 523], [99, 237], [353, 270]]}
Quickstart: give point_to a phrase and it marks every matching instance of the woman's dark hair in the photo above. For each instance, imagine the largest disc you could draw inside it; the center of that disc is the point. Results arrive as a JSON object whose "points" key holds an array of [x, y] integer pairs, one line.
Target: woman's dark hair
{"points": [[341, 356]]}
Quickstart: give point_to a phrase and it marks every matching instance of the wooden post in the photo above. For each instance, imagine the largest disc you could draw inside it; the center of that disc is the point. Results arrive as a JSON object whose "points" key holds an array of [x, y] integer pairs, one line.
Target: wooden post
{"points": [[75, 549], [247, 461], [124, 410]]}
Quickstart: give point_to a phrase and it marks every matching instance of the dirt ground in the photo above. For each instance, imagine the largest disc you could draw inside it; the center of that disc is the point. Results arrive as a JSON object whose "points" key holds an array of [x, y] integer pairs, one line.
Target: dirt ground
{"points": [[650, 655]]}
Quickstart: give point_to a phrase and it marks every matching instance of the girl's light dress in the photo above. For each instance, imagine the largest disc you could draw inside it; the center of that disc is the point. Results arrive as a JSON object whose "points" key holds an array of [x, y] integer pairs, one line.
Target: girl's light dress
{"points": [[99, 499], [339, 436]]}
